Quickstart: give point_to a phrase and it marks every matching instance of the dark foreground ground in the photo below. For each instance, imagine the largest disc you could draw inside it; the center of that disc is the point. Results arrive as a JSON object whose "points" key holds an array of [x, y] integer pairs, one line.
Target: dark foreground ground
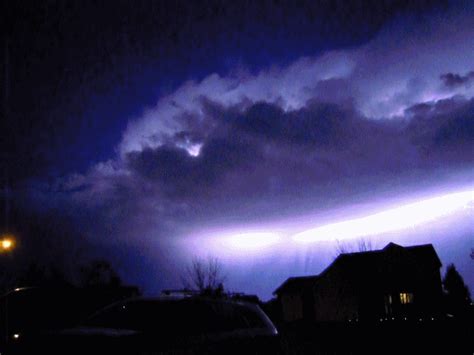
{"points": [[387, 337], [32, 316]]}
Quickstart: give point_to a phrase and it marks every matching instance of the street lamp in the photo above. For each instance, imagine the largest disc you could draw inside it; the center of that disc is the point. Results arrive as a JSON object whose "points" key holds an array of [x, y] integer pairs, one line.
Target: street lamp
{"points": [[7, 243]]}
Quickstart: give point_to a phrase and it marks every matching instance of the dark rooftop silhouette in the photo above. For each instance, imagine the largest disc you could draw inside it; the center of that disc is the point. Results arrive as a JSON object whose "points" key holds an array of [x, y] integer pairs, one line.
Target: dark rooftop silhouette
{"points": [[295, 283], [393, 282]]}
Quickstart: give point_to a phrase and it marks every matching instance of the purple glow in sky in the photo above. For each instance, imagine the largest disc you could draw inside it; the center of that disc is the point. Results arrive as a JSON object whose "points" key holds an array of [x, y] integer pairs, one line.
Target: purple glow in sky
{"points": [[393, 219], [257, 136], [282, 244]]}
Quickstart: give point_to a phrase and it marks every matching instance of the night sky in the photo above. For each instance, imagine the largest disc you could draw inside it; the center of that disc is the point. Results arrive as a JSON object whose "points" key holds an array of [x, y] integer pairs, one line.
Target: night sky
{"points": [[152, 132]]}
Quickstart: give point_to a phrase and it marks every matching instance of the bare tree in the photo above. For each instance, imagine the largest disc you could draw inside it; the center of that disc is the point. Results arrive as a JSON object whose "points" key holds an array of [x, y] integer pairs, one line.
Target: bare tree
{"points": [[99, 273], [364, 244], [360, 245], [205, 275]]}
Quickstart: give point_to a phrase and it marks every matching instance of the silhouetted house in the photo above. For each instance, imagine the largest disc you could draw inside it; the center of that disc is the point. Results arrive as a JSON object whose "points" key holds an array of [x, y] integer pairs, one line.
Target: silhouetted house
{"points": [[296, 297], [392, 283]]}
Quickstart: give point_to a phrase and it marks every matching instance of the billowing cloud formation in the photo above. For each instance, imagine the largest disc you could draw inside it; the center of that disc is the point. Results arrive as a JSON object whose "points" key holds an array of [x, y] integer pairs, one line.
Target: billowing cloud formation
{"points": [[455, 80], [397, 69], [394, 115], [259, 158]]}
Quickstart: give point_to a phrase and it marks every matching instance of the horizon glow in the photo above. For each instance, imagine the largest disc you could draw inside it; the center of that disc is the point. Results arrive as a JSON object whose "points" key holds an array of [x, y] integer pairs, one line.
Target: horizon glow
{"points": [[392, 219], [252, 241], [248, 243], [395, 219], [232, 245]]}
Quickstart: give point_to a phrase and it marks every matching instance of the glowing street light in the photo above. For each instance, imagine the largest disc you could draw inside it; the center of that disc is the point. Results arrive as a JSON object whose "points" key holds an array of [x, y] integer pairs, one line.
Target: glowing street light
{"points": [[7, 243]]}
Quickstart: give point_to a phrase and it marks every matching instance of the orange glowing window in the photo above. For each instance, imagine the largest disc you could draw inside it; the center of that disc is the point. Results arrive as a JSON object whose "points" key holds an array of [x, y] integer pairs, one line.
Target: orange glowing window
{"points": [[406, 298]]}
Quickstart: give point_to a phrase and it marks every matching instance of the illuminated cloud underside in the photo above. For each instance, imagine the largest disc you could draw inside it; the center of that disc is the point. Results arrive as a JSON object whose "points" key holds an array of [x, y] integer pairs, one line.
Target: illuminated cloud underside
{"points": [[251, 241], [392, 220], [407, 216]]}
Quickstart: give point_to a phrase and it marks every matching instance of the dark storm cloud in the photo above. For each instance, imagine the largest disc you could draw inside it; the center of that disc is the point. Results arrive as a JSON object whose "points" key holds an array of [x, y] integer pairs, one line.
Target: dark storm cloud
{"points": [[317, 124], [451, 80], [254, 145], [459, 128], [446, 123], [166, 119], [165, 163], [79, 71], [251, 150], [333, 90], [259, 153], [380, 80], [173, 166], [245, 173]]}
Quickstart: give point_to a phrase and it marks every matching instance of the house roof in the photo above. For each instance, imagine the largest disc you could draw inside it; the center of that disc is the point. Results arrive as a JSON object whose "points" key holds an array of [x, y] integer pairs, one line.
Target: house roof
{"points": [[296, 283], [423, 254], [359, 261]]}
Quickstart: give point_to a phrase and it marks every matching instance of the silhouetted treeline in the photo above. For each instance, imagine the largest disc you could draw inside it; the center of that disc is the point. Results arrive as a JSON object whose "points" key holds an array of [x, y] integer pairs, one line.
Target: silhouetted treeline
{"points": [[50, 252], [457, 298]]}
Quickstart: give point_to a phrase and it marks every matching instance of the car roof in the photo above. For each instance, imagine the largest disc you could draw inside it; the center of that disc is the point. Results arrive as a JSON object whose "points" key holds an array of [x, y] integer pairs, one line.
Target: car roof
{"points": [[192, 299]]}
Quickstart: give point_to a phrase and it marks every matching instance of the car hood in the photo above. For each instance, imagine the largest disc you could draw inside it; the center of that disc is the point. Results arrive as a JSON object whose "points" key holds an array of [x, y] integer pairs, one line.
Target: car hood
{"points": [[97, 331]]}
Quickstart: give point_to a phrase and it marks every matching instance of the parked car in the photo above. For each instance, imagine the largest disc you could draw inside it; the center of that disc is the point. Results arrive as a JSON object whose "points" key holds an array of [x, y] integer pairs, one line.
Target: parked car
{"points": [[28, 311], [165, 325]]}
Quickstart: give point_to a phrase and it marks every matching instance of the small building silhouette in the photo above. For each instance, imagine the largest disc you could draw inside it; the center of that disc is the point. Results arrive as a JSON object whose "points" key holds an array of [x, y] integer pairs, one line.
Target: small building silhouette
{"points": [[296, 298], [392, 283]]}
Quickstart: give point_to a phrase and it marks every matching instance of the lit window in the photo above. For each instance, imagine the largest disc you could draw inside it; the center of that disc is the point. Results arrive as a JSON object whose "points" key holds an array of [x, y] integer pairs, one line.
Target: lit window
{"points": [[406, 298]]}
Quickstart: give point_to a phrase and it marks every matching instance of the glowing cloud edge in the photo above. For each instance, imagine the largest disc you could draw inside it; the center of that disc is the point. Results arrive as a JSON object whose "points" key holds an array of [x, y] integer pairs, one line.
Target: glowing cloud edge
{"points": [[399, 218], [249, 242]]}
